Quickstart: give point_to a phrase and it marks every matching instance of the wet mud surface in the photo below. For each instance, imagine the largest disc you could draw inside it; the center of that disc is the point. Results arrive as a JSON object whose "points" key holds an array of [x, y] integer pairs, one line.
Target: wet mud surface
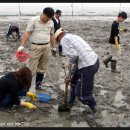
{"points": [[111, 90]]}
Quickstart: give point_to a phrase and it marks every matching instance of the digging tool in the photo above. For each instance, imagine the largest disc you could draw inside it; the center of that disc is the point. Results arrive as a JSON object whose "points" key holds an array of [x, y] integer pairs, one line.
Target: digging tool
{"points": [[64, 107], [66, 89]]}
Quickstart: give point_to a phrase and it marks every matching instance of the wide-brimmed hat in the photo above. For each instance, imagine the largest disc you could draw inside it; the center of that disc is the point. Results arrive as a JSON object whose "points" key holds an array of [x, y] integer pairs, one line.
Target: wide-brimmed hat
{"points": [[58, 32]]}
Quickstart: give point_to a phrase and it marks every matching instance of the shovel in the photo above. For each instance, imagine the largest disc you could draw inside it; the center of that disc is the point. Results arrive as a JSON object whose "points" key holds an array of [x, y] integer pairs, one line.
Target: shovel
{"points": [[63, 107]]}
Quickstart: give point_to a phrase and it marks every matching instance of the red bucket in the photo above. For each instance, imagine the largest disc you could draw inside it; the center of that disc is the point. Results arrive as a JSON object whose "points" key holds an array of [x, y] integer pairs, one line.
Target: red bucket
{"points": [[22, 56]]}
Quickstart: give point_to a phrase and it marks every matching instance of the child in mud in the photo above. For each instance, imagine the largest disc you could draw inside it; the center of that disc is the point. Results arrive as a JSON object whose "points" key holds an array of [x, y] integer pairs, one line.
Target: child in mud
{"points": [[114, 41], [15, 85], [82, 81]]}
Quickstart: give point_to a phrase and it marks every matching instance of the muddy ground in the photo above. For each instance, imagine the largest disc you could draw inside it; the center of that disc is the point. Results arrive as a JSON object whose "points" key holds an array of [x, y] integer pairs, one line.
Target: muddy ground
{"points": [[112, 91]]}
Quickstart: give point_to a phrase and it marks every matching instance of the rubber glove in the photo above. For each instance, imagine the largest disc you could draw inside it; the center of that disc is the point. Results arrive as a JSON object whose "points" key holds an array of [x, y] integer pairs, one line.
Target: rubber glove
{"points": [[20, 48], [65, 65], [30, 106], [34, 96], [123, 29], [53, 51], [117, 45]]}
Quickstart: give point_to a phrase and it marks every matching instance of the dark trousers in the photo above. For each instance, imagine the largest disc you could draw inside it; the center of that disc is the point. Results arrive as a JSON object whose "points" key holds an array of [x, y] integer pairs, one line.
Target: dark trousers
{"points": [[82, 84], [7, 101], [60, 49]]}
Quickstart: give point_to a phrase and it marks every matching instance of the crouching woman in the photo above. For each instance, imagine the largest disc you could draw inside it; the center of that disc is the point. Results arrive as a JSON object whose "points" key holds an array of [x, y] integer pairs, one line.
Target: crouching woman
{"points": [[15, 85]]}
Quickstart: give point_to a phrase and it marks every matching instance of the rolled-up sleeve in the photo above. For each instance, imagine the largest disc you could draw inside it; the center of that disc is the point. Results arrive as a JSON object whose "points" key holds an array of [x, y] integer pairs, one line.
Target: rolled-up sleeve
{"points": [[30, 26], [52, 29]]}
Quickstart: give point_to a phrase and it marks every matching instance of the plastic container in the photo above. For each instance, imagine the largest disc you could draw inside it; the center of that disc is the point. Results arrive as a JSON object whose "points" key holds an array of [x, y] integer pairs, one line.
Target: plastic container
{"points": [[22, 56], [44, 98]]}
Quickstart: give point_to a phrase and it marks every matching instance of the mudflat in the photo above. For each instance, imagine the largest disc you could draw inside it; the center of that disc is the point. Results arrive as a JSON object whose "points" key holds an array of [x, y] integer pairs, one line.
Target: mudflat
{"points": [[111, 90]]}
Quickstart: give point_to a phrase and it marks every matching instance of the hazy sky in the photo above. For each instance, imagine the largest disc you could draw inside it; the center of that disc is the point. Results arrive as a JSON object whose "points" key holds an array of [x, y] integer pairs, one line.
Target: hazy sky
{"points": [[68, 4]]}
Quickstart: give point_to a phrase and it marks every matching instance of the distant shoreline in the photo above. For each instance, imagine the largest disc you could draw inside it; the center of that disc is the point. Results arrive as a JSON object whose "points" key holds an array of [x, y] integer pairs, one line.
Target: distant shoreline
{"points": [[63, 18], [62, 15]]}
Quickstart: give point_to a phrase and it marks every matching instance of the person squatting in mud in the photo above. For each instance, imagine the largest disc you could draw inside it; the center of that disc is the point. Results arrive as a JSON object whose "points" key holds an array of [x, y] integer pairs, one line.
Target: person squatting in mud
{"points": [[82, 82], [13, 27], [114, 41], [15, 85], [40, 31]]}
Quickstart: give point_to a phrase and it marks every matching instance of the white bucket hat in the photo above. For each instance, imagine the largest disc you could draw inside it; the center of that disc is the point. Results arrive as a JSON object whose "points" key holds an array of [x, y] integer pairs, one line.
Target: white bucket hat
{"points": [[58, 32]]}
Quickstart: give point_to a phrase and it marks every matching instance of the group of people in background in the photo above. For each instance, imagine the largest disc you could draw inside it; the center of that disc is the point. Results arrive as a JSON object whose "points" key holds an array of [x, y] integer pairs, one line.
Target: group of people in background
{"points": [[44, 32]]}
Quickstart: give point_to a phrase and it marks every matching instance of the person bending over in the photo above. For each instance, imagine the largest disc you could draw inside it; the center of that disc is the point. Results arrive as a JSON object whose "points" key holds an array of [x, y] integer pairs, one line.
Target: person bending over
{"points": [[15, 85]]}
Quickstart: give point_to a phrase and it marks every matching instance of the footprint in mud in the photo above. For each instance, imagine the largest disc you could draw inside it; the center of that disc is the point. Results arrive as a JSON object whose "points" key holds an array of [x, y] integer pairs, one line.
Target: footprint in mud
{"points": [[43, 109], [89, 114], [77, 116], [91, 119]]}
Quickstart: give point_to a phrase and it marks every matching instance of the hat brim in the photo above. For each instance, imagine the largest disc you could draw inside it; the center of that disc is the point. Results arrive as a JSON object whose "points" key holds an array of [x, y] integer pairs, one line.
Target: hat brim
{"points": [[58, 32]]}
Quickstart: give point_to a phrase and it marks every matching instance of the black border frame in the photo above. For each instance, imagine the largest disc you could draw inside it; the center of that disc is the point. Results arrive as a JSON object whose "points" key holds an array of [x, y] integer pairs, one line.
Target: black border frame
{"points": [[63, 1]]}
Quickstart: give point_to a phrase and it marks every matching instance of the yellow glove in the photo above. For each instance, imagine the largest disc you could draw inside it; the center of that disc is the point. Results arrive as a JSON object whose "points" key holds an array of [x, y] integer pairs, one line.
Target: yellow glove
{"points": [[123, 30], [117, 45], [34, 96], [30, 106]]}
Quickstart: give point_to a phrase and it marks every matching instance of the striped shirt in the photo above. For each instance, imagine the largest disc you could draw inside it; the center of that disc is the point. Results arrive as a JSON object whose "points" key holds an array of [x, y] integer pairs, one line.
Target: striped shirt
{"points": [[75, 47], [40, 31]]}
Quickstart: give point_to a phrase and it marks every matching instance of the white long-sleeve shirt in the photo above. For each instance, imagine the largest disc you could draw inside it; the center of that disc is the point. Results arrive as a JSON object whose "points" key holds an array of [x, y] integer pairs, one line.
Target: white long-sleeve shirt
{"points": [[74, 46]]}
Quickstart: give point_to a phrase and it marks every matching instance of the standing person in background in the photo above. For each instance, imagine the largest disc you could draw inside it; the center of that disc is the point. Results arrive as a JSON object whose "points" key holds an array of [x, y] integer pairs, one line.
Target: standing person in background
{"points": [[114, 41], [40, 31], [57, 25]]}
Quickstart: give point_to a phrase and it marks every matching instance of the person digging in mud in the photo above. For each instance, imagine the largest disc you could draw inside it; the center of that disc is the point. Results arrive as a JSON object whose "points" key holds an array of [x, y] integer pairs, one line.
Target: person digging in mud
{"points": [[13, 27], [82, 81], [114, 41], [15, 85], [40, 30]]}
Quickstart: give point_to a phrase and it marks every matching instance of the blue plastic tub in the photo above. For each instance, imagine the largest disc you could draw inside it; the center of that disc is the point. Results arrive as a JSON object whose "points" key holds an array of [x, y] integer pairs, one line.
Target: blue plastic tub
{"points": [[44, 98]]}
